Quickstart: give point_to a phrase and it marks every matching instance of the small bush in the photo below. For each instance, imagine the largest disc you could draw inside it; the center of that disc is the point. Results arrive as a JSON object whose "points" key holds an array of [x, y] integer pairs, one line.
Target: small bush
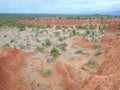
{"points": [[95, 46], [22, 46], [37, 40], [94, 39], [12, 40], [91, 63], [57, 33], [48, 42], [63, 48], [61, 38], [54, 52], [97, 53], [118, 34], [40, 49], [78, 51], [5, 36], [58, 27], [46, 72], [6, 45], [87, 31]]}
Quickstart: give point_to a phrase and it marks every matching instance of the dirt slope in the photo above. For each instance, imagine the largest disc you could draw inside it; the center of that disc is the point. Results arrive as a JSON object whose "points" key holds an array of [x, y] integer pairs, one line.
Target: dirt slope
{"points": [[11, 60], [69, 82], [108, 75]]}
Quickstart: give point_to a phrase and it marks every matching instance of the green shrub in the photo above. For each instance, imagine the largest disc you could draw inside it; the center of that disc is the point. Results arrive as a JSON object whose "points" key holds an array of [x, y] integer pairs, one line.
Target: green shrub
{"points": [[40, 49], [30, 25], [102, 29], [48, 42], [73, 32], [37, 40], [95, 46], [21, 27], [79, 27], [54, 52], [12, 40], [91, 63], [58, 27], [87, 31], [6, 45], [118, 34], [22, 46], [46, 72], [97, 53], [63, 48], [57, 33], [94, 39], [65, 27], [48, 26], [77, 33], [78, 51], [61, 38], [5, 36]]}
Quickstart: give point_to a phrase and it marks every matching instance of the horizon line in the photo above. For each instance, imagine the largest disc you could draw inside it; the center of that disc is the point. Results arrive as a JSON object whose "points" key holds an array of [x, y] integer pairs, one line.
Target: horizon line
{"points": [[60, 14]]}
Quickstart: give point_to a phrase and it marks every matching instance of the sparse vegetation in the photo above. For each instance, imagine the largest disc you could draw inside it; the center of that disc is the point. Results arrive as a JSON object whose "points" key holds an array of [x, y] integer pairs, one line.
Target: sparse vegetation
{"points": [[46, 72], [91, 63], [87, 31], [57, 33], [63, 48], [12, 40], [78, 51], [40, 49], [6, 45], [21, 27], [54, 52], [62, 43], [61, 38], [94, 39], [119, 28], [22, 46], [48, 42], [102, 29], [97, 53], [95, 45], [58, 27], [5, 36]]}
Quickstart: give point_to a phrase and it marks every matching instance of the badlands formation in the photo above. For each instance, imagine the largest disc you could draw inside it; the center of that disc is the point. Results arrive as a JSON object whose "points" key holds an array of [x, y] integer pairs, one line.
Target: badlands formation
{"points": [[65, 59]]}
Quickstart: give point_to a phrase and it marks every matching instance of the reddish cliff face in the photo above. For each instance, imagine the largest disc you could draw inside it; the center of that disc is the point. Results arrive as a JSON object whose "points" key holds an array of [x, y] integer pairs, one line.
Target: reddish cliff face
{"points": [[69, 82], [107, 76], [11, 60], [113, 27], [71, 22]]}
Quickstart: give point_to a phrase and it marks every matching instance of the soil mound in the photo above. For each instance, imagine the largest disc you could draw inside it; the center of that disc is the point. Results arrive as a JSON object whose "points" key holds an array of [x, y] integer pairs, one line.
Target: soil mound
{"points": [[69, 82], [82, 41], [107, 76], [11, 60]]}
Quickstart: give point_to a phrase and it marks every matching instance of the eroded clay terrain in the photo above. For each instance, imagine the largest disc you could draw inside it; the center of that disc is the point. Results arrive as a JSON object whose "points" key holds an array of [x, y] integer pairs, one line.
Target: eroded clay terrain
{"points": [[59, 57]]}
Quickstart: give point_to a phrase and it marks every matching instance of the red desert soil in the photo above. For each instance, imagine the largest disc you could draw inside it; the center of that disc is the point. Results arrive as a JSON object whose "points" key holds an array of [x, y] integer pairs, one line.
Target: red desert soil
{"points": [[11, 61], [69, 82], [70, 22], [107, 76], [82, 41], [113, 27]]}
